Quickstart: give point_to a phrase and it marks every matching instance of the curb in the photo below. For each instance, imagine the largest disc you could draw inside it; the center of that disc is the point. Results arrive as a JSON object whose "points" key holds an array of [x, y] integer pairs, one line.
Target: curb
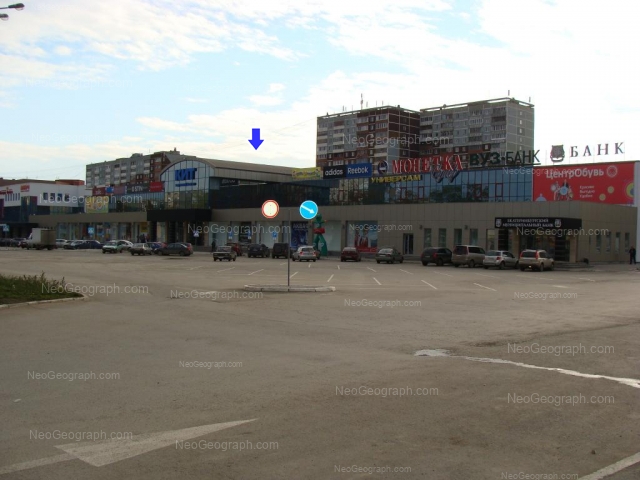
{"points": [[57, 300], [285, 288]]}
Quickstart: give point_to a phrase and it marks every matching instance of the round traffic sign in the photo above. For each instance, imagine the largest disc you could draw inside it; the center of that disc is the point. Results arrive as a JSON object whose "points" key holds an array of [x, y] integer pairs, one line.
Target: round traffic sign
{"points": [[270, 209], [308, 209], [383, 167]]}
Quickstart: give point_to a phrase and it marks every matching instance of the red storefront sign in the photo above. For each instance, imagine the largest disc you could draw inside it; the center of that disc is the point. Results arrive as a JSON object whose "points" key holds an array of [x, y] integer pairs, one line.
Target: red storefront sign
{"points": [[156, 187], [436, 163], [24, 188], [599, 182], [99, 191]]}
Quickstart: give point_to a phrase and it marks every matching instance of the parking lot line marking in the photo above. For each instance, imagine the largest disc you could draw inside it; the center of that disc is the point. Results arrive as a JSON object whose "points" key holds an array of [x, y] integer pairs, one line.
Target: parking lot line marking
{"points": [[330, 278], [406, 272], [485, 275], [37, 463], [559, 286], [309, 265], [376, 280], [293, 274], [261, 270], [338, 267], [588, 279], [371, 269], [614, 468], [440, 273], [630, 382], [194, 268], [283, 263], [485, 287], [224, 270], [429, 285]]}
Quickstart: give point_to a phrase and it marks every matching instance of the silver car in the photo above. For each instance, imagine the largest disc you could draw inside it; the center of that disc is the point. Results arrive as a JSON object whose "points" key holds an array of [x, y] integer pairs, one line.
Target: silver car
{"points": [[536, 260], [304, 253], [499, 259], [469, 255]]}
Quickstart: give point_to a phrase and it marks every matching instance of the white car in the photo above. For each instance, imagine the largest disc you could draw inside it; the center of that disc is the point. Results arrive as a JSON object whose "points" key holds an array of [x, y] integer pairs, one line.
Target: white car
{"points": [[61, 242], [304, 253]]}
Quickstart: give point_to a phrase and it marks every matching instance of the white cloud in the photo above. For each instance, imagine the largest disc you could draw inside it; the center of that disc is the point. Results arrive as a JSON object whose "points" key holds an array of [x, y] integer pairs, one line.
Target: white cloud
{"points": [[275, 87], [265, 100], [63, 50], [195, 100]]}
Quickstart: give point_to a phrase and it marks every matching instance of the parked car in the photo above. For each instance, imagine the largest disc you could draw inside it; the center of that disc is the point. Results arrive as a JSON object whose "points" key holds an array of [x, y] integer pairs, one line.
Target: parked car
{"points": [[116, 246], [225, 252], [176, 249], [60, 242], [304, 253], [188, 245], [389, 255], [350, 253], [536, 260], [157, 246], [280, 250], [16, 242], [71, 245], [469, 255], [91, 245], [23, 243], [499, 259], [258, 250], [236, 247], [141, 249], [439, 256]]}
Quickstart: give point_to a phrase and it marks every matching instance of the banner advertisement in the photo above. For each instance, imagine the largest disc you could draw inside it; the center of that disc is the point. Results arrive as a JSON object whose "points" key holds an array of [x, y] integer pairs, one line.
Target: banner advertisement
{"points": [[312, 173], [96, 205], [359, 170], [363, 236], [299, 231], [610, 183], [339, 171]]}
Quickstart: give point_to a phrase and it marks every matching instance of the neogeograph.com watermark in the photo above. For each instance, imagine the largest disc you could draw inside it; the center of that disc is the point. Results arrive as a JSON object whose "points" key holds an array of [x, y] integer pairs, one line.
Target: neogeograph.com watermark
{"points": [[381, 303], [79, 436], [558, 400], [538, 476], [544, 295], [72, 376], [215, 295], [224, 446], [91, 290], [558, 350], [387, 227], [364, 391], [209, 365], [561, 231], [370, 470]]}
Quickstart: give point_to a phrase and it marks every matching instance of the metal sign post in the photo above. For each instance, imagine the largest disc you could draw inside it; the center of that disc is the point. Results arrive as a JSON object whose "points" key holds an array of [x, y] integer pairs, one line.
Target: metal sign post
{"points": [[289, 253]]}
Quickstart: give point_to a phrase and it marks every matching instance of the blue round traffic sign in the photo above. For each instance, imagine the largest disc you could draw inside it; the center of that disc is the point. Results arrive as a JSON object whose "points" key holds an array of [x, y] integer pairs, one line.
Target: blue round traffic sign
{"points": [[308, 209]]}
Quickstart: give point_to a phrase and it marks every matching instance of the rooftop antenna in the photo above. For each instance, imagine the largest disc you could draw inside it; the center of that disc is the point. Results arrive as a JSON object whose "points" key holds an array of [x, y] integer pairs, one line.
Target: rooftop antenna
{"points": [[508, 93], [361, 101]]}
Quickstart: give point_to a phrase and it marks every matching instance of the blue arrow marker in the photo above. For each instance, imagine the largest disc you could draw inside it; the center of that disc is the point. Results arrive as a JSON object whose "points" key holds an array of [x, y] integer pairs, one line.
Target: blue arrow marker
{"points": [[308, 209], [255, 138]]}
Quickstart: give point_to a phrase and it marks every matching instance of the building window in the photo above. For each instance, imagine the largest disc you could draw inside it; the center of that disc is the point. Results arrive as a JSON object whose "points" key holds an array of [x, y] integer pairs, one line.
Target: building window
{"points": [[608, 242], [617, 242], [627, 238], [457, 236], [473, 236], [598, 243], [491, 239], [442, 237]]}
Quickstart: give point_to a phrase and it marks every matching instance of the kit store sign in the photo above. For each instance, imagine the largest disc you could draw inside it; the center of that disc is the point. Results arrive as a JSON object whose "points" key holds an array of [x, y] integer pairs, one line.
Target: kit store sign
{"points": [[184, 175]]}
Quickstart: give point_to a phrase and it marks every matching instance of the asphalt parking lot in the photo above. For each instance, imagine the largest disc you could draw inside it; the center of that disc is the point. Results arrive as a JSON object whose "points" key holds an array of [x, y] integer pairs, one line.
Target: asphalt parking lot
{"points": [[403, 371]]}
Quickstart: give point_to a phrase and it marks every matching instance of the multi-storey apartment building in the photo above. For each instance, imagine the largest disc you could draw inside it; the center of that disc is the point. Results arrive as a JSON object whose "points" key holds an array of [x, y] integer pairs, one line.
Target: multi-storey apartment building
{"points": [[500, 125], [137, 169], [370, 135]]}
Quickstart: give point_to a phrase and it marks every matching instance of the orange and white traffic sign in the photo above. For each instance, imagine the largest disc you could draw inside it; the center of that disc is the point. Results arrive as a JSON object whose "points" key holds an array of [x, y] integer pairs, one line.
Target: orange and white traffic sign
{"points": [[270, 209]]}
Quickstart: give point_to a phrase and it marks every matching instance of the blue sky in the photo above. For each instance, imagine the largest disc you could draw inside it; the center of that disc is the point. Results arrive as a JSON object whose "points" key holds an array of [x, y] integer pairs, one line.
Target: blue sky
{"points": [[87, 81]]}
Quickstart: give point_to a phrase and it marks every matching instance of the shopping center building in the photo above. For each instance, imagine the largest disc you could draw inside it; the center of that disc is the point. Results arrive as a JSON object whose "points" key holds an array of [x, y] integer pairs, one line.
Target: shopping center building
{"points": [[575, 211]]}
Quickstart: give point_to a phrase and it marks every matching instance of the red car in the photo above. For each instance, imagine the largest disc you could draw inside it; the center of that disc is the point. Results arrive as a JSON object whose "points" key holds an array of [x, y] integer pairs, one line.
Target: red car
{"points": [[350, 253]]}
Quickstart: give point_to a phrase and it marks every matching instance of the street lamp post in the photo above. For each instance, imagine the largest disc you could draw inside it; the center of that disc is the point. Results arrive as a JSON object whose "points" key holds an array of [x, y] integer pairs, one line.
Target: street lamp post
{"points": [[15, 6]]}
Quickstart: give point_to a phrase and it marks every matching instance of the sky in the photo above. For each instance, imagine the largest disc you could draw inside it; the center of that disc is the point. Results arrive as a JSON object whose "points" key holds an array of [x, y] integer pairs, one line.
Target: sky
{"points": [[84, 81]]}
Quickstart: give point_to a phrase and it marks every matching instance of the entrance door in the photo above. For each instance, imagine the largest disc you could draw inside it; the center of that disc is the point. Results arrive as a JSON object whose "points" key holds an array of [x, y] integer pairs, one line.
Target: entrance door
{"points": [[407, 242]]}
